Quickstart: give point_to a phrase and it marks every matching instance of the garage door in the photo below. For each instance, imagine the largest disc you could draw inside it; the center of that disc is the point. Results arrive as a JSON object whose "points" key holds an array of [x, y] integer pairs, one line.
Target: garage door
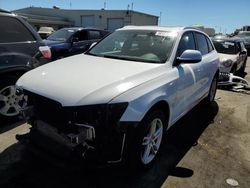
{"points": [[115, 23], [88, 21]]}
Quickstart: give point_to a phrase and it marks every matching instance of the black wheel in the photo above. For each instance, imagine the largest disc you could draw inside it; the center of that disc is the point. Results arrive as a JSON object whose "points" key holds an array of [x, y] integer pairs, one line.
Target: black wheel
{"points": [[243, 67], [12, 100], [233, 69], [212, 91], [149, 136]]}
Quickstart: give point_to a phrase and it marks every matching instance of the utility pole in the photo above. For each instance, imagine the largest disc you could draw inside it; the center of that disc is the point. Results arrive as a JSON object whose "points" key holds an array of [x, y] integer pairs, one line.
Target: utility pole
{"points": [[160, 19], [104, 5]]}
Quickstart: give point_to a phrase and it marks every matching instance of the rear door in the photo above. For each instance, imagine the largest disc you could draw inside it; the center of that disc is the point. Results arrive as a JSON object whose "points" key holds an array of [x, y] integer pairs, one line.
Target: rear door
{"points": [[17, 43], [209, 59]]}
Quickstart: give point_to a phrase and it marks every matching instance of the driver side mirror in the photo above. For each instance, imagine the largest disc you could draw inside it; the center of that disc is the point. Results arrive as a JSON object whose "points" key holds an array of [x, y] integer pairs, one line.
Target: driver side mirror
{"points": [[189, 56]]}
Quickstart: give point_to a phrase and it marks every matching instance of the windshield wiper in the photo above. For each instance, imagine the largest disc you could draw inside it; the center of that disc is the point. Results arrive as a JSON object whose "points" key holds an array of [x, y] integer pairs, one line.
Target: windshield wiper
{"points": [[131, 59]]}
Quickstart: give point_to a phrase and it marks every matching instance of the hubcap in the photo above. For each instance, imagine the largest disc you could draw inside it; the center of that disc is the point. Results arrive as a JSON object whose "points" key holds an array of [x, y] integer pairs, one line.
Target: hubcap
{"points": [[152, 141], [213, 90], [12, 101]]}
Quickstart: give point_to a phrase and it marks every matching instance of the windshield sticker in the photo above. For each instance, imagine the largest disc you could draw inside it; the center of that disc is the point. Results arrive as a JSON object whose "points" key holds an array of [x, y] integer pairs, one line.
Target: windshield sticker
{"points": [[161, 34], [229, 43]]}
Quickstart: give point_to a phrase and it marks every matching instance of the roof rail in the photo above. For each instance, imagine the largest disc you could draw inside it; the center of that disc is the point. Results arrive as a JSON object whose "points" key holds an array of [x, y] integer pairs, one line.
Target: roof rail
{"points": [[190, 28]]}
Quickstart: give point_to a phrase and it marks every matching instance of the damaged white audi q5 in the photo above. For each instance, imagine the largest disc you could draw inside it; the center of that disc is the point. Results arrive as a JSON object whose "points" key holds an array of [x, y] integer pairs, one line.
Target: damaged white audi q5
{"points": [[116, 101]]}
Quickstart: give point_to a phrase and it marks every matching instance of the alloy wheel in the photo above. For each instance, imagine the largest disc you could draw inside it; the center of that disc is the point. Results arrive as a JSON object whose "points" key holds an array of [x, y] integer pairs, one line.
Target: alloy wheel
{"points": [[152, 141], [12, 100]]}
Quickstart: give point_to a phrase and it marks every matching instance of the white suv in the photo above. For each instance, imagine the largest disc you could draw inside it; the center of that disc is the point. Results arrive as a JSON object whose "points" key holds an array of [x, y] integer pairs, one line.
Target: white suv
{"points": [[117, 100]]}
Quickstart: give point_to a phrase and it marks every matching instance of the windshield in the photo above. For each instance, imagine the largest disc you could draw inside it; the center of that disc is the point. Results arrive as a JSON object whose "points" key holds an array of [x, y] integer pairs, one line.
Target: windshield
{"points": [[136, 45], [61, 35], [225, 47], [244, 34]]}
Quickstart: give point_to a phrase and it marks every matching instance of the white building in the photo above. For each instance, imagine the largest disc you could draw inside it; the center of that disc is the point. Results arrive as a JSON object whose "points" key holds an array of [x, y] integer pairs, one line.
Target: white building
{"points": [[103, 19]]}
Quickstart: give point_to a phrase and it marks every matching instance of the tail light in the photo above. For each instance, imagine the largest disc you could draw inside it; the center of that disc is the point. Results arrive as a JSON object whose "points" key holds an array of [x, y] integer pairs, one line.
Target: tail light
{"points": [[46, 52]]}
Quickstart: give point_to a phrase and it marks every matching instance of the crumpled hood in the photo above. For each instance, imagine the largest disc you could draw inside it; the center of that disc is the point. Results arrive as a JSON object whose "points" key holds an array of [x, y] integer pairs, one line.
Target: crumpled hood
{"points": [[84, 79], [224, 57]]}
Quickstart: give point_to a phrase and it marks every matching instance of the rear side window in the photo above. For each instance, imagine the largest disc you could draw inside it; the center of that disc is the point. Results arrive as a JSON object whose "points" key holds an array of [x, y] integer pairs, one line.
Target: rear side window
{"points": [[210, 46], [202, 43], [186, 43], [94, 35], [12, 30]]}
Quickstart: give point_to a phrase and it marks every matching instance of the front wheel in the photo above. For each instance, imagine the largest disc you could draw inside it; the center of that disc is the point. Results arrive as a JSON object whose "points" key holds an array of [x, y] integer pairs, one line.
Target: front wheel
{"points": [[12, 100], [149, 138]]}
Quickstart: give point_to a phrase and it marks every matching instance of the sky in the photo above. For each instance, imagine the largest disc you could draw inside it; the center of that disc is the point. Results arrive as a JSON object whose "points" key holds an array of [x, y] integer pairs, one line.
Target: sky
{"points": [[223, 15]]}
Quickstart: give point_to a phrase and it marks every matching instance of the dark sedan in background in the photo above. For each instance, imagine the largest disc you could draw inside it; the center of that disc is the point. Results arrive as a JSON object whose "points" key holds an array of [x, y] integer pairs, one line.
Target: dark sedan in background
{"points": [[71, 41]]}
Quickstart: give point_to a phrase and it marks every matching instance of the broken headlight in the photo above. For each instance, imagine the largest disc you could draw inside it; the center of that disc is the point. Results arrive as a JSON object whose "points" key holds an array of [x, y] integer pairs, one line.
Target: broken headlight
{"points": [[97, 114], [227, 63]]}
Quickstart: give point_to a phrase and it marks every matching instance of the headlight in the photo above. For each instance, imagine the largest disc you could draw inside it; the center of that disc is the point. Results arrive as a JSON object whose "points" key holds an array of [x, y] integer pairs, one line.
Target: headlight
{"points": [[97, 114], [227, 63]]}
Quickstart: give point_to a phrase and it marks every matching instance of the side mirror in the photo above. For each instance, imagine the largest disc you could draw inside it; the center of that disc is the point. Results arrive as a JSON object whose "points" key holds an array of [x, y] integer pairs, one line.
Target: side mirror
{"points": [[190, 56]]}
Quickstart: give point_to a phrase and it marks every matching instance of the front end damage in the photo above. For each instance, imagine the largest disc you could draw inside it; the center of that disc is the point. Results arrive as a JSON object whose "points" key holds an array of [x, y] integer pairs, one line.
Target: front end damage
{"points": [[89, 133]]}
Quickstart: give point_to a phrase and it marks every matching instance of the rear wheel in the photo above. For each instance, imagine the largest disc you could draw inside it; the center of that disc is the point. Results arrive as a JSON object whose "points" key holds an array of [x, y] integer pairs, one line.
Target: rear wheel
{"points": [[212, 91], [243, 67], [148, 139], [233, 69], [12, 100]]}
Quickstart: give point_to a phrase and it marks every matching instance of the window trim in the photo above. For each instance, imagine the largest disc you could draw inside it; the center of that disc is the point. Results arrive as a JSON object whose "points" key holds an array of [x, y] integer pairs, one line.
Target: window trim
{"points": [[186, 32], [195, 32]]}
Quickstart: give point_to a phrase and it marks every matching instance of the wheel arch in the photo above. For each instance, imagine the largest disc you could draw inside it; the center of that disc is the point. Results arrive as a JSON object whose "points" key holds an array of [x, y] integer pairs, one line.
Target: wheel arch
{"points": [[161, 105]]}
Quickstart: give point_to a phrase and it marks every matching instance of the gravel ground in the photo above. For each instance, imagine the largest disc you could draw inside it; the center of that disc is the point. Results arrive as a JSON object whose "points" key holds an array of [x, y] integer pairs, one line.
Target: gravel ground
{"points": [[203, 149]]}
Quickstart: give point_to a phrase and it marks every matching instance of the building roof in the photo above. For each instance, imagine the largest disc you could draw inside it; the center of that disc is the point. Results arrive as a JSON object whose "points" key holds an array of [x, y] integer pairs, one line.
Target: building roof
{"points": [[76, 10]]}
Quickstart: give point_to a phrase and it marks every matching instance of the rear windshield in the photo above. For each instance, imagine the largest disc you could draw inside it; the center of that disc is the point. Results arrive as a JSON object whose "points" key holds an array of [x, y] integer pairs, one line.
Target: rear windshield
{"points": [[61, 35]]}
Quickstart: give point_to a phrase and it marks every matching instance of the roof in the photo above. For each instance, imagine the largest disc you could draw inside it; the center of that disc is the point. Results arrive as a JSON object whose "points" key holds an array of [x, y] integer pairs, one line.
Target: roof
{"points": [[158, 28], [234, 39]]}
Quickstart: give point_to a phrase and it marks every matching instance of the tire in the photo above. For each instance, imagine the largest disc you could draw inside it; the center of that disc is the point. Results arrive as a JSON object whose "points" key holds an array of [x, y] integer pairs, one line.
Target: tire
{"points": [[243, 67], [148, 140], [212, 91], [11, 99], [233, 69]]}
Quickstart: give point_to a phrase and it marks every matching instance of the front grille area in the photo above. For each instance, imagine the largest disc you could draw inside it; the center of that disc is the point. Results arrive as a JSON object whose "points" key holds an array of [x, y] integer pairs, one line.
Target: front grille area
{"points": [[49, 111]]}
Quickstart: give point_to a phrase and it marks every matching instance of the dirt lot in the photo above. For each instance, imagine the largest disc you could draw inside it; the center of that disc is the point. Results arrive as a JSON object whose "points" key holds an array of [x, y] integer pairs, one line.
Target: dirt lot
{"points": [[206, 147]]}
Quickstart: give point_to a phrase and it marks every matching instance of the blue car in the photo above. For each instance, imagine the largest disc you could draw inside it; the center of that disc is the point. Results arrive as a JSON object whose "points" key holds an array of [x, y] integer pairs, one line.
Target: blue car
{"points": [[71, 41]]}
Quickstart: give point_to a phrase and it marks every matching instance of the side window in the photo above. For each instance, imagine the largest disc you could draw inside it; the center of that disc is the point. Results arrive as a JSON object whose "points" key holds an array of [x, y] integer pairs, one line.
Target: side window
{"points": [[239, 49], [81, 35], [242, 45], [202, 43], [94, 35], [186, 43], [210, 46], [12, 30]]}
